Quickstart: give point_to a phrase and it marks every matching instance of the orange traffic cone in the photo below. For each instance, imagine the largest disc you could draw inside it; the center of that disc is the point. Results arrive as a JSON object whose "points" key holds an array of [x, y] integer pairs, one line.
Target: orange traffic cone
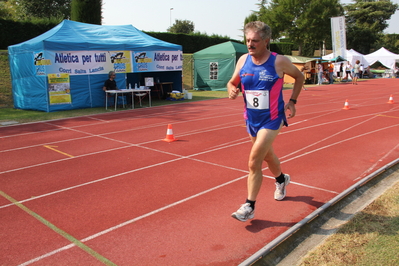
{"points": [[169, 134], [346, 106], [390, 99]]}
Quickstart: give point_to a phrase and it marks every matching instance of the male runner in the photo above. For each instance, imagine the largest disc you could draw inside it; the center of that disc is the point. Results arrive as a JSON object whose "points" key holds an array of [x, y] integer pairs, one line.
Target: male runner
{"points": [[261, 74]]}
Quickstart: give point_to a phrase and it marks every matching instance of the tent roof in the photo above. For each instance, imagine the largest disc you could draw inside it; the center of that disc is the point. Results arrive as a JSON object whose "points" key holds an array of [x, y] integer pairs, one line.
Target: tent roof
{"points": [[351, 56], [337, 59], [383, 52], [223, 50], [354, 52], [77, 36], [384, 56], [349, 53], [300, 59]]}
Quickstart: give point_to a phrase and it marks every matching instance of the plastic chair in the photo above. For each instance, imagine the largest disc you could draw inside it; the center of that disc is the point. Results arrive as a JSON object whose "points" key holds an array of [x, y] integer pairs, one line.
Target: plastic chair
{"points": [[111, 100], [157, 89], [110, 97], [141, 96]]}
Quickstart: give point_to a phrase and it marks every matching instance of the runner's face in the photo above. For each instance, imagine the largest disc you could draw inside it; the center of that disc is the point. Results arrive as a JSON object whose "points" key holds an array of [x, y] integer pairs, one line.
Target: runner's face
{"points": [[255, 44]]}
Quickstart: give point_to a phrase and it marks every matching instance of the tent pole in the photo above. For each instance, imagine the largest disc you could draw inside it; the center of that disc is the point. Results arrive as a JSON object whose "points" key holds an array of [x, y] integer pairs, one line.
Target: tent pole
{"points": [[126, 80], [91, 98], [47, 92]]}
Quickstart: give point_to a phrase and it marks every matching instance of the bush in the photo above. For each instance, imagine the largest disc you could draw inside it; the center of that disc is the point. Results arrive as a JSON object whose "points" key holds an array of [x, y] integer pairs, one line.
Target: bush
{"points": [[14, 32]]}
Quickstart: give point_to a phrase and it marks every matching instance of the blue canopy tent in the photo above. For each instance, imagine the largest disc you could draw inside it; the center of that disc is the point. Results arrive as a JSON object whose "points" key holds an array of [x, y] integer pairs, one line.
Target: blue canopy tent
{"points": [[65, 67]]}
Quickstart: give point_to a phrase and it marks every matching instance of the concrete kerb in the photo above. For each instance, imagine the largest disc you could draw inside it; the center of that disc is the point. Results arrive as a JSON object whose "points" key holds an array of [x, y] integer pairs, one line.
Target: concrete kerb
{"points": [[280, 248]]}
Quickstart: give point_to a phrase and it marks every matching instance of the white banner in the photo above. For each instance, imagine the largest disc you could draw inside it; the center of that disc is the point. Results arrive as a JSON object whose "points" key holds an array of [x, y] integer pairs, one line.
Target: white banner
{"points": [[101, 62], [153, 61], [82, 62], [338, 34]]}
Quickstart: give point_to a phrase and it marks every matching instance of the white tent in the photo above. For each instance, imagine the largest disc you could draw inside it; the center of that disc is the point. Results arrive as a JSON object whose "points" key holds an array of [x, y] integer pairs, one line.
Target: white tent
{"points": [[354, 55], [351, 56], [385, 57]]}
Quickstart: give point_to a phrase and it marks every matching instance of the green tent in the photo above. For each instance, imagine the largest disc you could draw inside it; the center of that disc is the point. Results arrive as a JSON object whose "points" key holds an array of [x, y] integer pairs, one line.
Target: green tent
{"points": [[214, 66]]}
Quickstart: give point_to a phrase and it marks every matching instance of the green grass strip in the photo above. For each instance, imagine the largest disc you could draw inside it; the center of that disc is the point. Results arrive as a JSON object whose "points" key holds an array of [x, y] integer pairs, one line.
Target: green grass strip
{"points": [[59, 231]]}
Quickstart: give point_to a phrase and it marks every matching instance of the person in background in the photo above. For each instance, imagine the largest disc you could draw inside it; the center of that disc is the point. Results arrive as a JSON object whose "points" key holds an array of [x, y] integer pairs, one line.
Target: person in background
{"points": [[361, 71], [367, 72], [261, 75], [356, 70], [303, 70], [348, 71], [331, 73], [340, 73], [110, 84], [319, 74]]}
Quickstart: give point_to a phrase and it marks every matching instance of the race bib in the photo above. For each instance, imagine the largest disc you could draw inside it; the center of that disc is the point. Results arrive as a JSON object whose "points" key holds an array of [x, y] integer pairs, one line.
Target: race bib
{"points": [[257, 99]]}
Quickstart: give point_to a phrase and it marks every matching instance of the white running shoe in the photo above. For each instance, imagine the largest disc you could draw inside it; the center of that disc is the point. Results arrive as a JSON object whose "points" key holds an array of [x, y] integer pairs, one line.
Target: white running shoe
{"points": [[244, 213], [280, 192]]}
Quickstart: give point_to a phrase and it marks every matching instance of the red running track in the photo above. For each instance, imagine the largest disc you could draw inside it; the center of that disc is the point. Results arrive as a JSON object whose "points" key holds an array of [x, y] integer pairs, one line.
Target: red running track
{"points": [[105, 189]]}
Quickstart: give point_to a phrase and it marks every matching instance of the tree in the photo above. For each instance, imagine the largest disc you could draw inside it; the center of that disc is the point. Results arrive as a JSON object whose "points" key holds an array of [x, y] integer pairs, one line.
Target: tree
{"points": [[9, 10], [87, 11], [45, 8], [366, 21], [182, 26], [250, 18], [390, 42], [304, 22]]}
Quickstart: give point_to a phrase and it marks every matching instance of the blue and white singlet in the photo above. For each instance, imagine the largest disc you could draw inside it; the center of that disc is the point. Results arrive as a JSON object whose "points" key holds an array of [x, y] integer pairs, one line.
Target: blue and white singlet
{"points": [[262, 89]]}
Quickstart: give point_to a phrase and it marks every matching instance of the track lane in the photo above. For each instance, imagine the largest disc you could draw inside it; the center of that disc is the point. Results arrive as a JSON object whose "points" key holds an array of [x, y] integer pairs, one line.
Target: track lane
{"points": [[197, 231]]}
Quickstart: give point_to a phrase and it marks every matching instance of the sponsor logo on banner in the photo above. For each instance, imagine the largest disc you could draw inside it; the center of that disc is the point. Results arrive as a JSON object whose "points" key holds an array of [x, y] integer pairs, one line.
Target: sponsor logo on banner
{"points": [[142, 61], [121, 61], [152, 61], [39, 63]]}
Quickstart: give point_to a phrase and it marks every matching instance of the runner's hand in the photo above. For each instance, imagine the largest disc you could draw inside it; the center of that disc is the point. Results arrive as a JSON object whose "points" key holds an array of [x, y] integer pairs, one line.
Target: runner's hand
{"points": [[234, 93], [290, 105]]}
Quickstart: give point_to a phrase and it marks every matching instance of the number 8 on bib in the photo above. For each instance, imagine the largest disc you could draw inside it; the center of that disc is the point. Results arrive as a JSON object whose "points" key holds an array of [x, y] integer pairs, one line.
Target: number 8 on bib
{"points": [[257, 99]]}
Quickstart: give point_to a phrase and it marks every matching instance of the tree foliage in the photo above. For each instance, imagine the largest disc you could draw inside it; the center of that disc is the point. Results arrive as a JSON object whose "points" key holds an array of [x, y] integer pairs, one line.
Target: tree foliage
{"points": [[182, 26], [366, 21], [250, 18], [45, 8], [9, 10], [390, 42], [304, 22], [87, 11]]}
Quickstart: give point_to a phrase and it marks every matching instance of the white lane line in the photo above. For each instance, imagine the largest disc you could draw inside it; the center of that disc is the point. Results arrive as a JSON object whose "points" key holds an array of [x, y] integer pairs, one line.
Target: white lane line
{"points": [[91, 182], [111, 229], [340, 142], [91, 135], [65, 159], [184, 200], [329, 137], [371, 168], [192, 155]]}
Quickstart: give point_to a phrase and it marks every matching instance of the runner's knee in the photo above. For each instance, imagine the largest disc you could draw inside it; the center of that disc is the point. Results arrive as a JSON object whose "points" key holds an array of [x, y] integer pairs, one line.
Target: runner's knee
{"points": [[271, 158], [254, 164]]}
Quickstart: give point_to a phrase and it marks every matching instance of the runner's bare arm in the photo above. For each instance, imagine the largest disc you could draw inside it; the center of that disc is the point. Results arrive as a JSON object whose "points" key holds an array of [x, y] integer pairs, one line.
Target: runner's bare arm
{"points": [[235, 80], [284, 66]]}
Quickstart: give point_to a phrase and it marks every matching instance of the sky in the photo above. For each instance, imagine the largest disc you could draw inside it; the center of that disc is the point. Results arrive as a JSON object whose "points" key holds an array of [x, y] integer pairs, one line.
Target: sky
{"points": [[221, 17]]}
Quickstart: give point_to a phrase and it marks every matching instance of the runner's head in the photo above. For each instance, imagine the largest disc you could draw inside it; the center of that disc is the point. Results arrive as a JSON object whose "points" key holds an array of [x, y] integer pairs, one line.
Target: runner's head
{"points": [[263, 29], [257, 35]]}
